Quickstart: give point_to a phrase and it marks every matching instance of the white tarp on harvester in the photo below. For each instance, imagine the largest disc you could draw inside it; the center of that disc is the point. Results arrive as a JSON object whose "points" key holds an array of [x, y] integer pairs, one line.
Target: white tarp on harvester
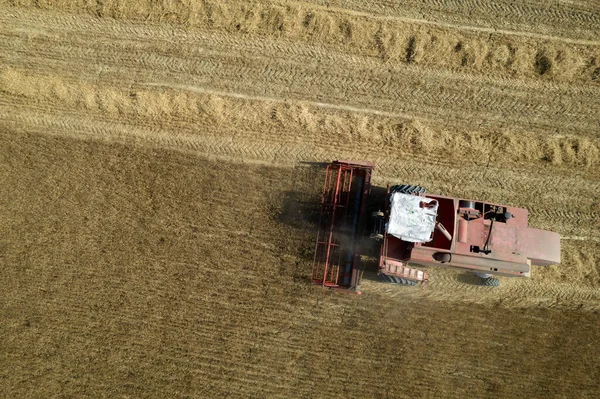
{"points": [[408, 220]]}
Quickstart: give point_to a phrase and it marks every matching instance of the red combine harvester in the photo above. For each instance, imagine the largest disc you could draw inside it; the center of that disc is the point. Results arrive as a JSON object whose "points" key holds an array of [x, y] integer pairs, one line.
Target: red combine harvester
{"points": [[420, 229]]}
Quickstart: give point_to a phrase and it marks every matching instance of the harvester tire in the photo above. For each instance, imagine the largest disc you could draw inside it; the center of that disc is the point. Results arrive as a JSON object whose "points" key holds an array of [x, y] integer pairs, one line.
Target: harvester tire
{"points": [[408, 189], [409, 282], [396, 280], [490, 282]]}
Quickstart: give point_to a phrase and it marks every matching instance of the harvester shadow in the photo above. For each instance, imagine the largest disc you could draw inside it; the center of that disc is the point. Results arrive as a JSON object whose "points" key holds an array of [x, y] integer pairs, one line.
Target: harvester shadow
{"points": [[298, 212], [375, 201]]}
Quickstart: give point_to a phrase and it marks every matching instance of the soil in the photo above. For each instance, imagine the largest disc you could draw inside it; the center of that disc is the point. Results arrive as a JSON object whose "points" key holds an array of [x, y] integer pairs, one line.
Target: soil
{"points": [[160, 180]]}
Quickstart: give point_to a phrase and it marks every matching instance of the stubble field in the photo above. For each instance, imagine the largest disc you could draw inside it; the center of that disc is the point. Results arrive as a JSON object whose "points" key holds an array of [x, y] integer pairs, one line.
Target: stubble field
{"points": [[157, 197]]}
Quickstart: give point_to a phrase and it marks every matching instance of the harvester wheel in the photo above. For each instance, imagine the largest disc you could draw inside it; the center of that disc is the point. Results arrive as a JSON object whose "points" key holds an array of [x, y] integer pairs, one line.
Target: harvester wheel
{"points": [[408, 189], [396, 280], [490, 282]]}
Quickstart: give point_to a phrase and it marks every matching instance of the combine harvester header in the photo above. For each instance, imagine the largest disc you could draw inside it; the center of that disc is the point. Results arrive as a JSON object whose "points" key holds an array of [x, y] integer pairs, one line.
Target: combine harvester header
{"points": [[347, 185]]}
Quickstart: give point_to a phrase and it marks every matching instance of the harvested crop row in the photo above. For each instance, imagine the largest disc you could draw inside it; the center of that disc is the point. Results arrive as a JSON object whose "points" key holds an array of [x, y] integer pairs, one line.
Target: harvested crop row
{"points": [[181, 105], [388, 40]]}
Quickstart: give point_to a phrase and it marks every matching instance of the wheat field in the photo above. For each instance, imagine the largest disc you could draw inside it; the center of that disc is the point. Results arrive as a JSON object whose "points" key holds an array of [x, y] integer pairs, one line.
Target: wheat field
{"points": [[159, 191]]}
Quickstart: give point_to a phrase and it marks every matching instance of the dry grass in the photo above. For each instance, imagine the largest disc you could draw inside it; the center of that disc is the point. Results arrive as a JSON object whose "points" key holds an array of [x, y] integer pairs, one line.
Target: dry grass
{"points": [[141, 272], [305, 120], [393, 41], [157, 229]]}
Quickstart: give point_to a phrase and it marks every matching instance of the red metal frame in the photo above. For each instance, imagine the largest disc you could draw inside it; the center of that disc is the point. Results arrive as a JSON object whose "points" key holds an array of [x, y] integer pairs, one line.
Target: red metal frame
{"points": [[346, 186]]}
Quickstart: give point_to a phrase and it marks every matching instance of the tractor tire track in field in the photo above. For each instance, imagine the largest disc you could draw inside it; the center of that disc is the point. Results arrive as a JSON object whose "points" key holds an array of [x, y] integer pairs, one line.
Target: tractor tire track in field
{"points": [[524, 18], [86, 30], [563, 21], [409, 90], [387, 42]]}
